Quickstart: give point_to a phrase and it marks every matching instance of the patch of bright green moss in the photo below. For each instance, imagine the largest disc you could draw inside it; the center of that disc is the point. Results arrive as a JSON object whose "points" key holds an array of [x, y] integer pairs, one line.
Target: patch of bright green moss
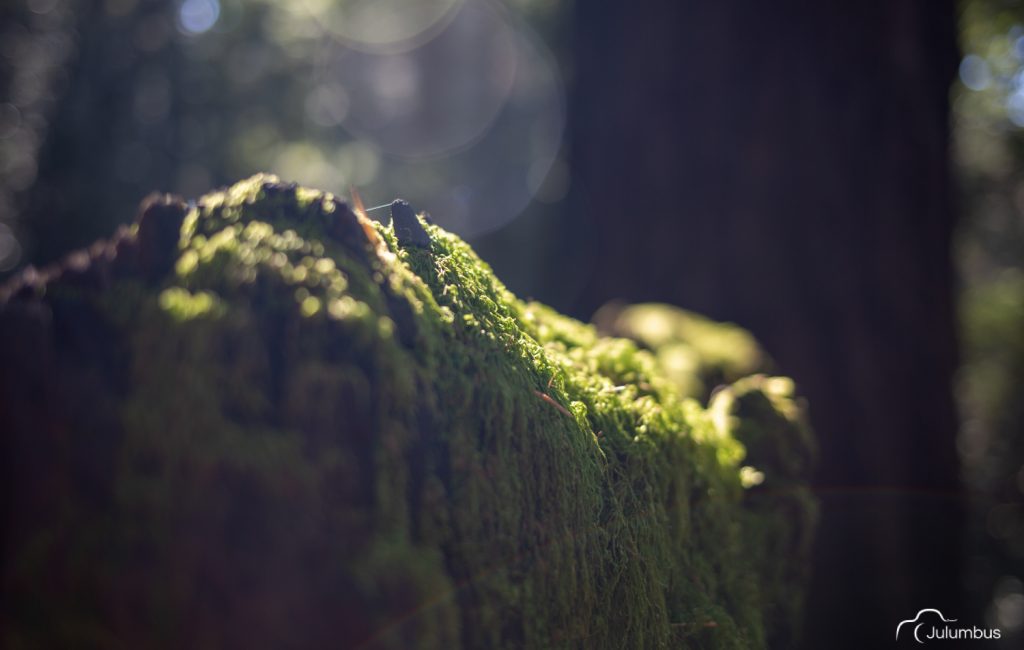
{"points": [[183, 305]]}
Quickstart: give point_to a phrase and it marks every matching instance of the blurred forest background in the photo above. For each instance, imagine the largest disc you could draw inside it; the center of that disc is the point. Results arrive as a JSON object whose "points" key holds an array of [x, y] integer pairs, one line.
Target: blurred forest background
{"points": [[988, 153], [795, 171]]}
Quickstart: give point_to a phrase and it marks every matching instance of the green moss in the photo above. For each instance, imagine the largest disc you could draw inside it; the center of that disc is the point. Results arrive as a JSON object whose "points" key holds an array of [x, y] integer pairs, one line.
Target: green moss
{"points": [[182, 305], [697, 354], [448, 464]]}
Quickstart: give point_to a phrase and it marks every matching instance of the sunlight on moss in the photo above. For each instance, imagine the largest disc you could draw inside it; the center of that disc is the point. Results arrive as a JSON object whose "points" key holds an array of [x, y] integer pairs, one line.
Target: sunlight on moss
{"points": [[183, 305], [504, 466], [749, 476]]}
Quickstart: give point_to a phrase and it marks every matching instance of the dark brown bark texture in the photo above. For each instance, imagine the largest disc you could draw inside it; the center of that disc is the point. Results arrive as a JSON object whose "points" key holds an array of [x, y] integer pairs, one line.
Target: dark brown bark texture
{"points": [[785, 166]]}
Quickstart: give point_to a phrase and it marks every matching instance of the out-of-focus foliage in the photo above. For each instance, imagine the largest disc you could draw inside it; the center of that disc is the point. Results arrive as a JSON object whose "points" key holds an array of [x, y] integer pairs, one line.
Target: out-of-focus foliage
{"points": [[988, 106], [456, 105], [989, 152]]}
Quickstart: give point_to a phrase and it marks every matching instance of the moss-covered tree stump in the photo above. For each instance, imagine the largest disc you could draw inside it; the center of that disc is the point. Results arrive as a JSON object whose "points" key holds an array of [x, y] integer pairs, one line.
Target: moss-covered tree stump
{"points": [[264, 421]]}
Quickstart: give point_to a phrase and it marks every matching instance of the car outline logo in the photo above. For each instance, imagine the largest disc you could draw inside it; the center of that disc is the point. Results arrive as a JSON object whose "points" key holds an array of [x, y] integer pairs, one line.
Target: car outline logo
{"points": [[918, 626]]}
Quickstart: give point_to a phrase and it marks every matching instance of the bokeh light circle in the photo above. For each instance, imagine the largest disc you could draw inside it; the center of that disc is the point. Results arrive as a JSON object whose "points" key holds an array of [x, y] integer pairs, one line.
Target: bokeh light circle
{"points": [[471, 138], [435, 99], [382, 26], [198, 16]]}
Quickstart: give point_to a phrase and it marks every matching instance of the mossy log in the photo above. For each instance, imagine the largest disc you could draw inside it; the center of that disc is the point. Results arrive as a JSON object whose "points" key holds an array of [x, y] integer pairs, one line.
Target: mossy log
{"points": [[261, 420]]}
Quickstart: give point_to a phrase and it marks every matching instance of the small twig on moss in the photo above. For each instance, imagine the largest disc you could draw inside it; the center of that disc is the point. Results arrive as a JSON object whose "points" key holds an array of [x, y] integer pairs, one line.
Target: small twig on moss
{"points": [[547, 398]]}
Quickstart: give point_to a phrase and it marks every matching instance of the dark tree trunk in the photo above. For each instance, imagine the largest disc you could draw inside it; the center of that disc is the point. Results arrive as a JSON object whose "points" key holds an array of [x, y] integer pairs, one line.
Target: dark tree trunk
{"points": [[787, 168], [113, 131]]}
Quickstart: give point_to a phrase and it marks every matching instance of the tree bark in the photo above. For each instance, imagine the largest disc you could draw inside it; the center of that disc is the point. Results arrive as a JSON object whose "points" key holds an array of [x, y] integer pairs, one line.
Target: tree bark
{"points": [[785, 166]]}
